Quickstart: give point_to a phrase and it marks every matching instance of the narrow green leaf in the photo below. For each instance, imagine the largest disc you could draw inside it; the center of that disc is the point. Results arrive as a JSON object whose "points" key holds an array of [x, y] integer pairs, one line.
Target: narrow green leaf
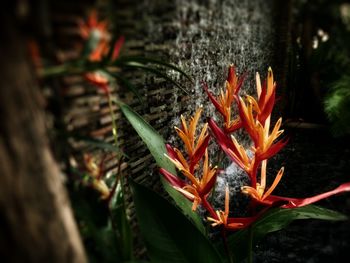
{"points": [[168, 234], [98, 143], [74, 67], [152, 61], [121, 224], [127, 84], [59, 70], [274, 220], [150, 137], [155, 71], [156, 146]]}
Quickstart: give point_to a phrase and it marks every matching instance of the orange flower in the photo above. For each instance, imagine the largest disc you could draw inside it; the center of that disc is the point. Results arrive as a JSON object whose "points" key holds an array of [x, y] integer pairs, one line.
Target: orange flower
{"points": [[98, 79], [226, 98], [195, 150], [231, 147], [199, 187], [266, 198], [93, 25], [266, 95], [258, 193], [255, 117], [98, 38], [222, 217], [95, 171]]}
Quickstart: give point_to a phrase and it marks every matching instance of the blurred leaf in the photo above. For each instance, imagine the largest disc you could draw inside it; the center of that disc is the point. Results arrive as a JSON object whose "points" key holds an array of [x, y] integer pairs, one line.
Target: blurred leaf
{"points": [[92, 216], [274, 220], [97, 143], [55, 71], [75, 67], [169, 235], [133, 64], [127, 84], [156, 146], [337, 105], [121, 224], [152, 61]]}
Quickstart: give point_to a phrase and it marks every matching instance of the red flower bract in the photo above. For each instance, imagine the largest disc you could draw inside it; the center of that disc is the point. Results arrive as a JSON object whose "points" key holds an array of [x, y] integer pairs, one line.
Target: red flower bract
{"points": [[254, 116]]}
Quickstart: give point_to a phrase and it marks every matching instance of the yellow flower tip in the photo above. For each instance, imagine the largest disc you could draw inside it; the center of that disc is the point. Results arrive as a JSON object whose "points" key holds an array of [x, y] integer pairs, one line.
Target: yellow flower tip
{"points": [[270, 73], [244, 190]]}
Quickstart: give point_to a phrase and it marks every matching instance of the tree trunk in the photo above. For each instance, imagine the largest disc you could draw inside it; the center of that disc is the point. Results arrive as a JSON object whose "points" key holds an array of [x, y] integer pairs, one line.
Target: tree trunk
{"points": [[36, 220]]}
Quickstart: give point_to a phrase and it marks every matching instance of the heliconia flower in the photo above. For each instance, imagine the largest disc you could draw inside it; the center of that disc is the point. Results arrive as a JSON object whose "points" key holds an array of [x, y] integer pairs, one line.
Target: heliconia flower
{"points": [[264, 141], [98, 79], [226, 98], [265, 198], [231, 147], [174, 180], [187, 133], [288, 202], [266, 96], [198, 188], [258, 192], [91, 25], [99, 51], [103, 47], [95, 171], [223, 219], [98, 37]]}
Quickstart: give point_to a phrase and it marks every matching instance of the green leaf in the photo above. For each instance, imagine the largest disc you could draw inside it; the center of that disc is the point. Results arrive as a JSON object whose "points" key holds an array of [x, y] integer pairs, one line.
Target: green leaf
{"points": [[92, 216], [151, 61], [121, 224], [169, 236], [150, 137], [127, 84], [133, 64], [98, 143], [274, 220], [156, 146]]}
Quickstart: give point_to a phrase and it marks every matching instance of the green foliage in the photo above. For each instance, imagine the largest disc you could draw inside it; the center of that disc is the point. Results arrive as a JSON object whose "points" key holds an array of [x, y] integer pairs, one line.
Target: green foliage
{"points": [[98, 144], [169, 235], [155, 144], [337, 105], [274, 220], [95, 227], [121, 224], [116, 69]]}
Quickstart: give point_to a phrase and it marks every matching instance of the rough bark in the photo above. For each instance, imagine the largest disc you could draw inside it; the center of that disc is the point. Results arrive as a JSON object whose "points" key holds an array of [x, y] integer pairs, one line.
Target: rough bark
{"points": [[36, 221]]}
